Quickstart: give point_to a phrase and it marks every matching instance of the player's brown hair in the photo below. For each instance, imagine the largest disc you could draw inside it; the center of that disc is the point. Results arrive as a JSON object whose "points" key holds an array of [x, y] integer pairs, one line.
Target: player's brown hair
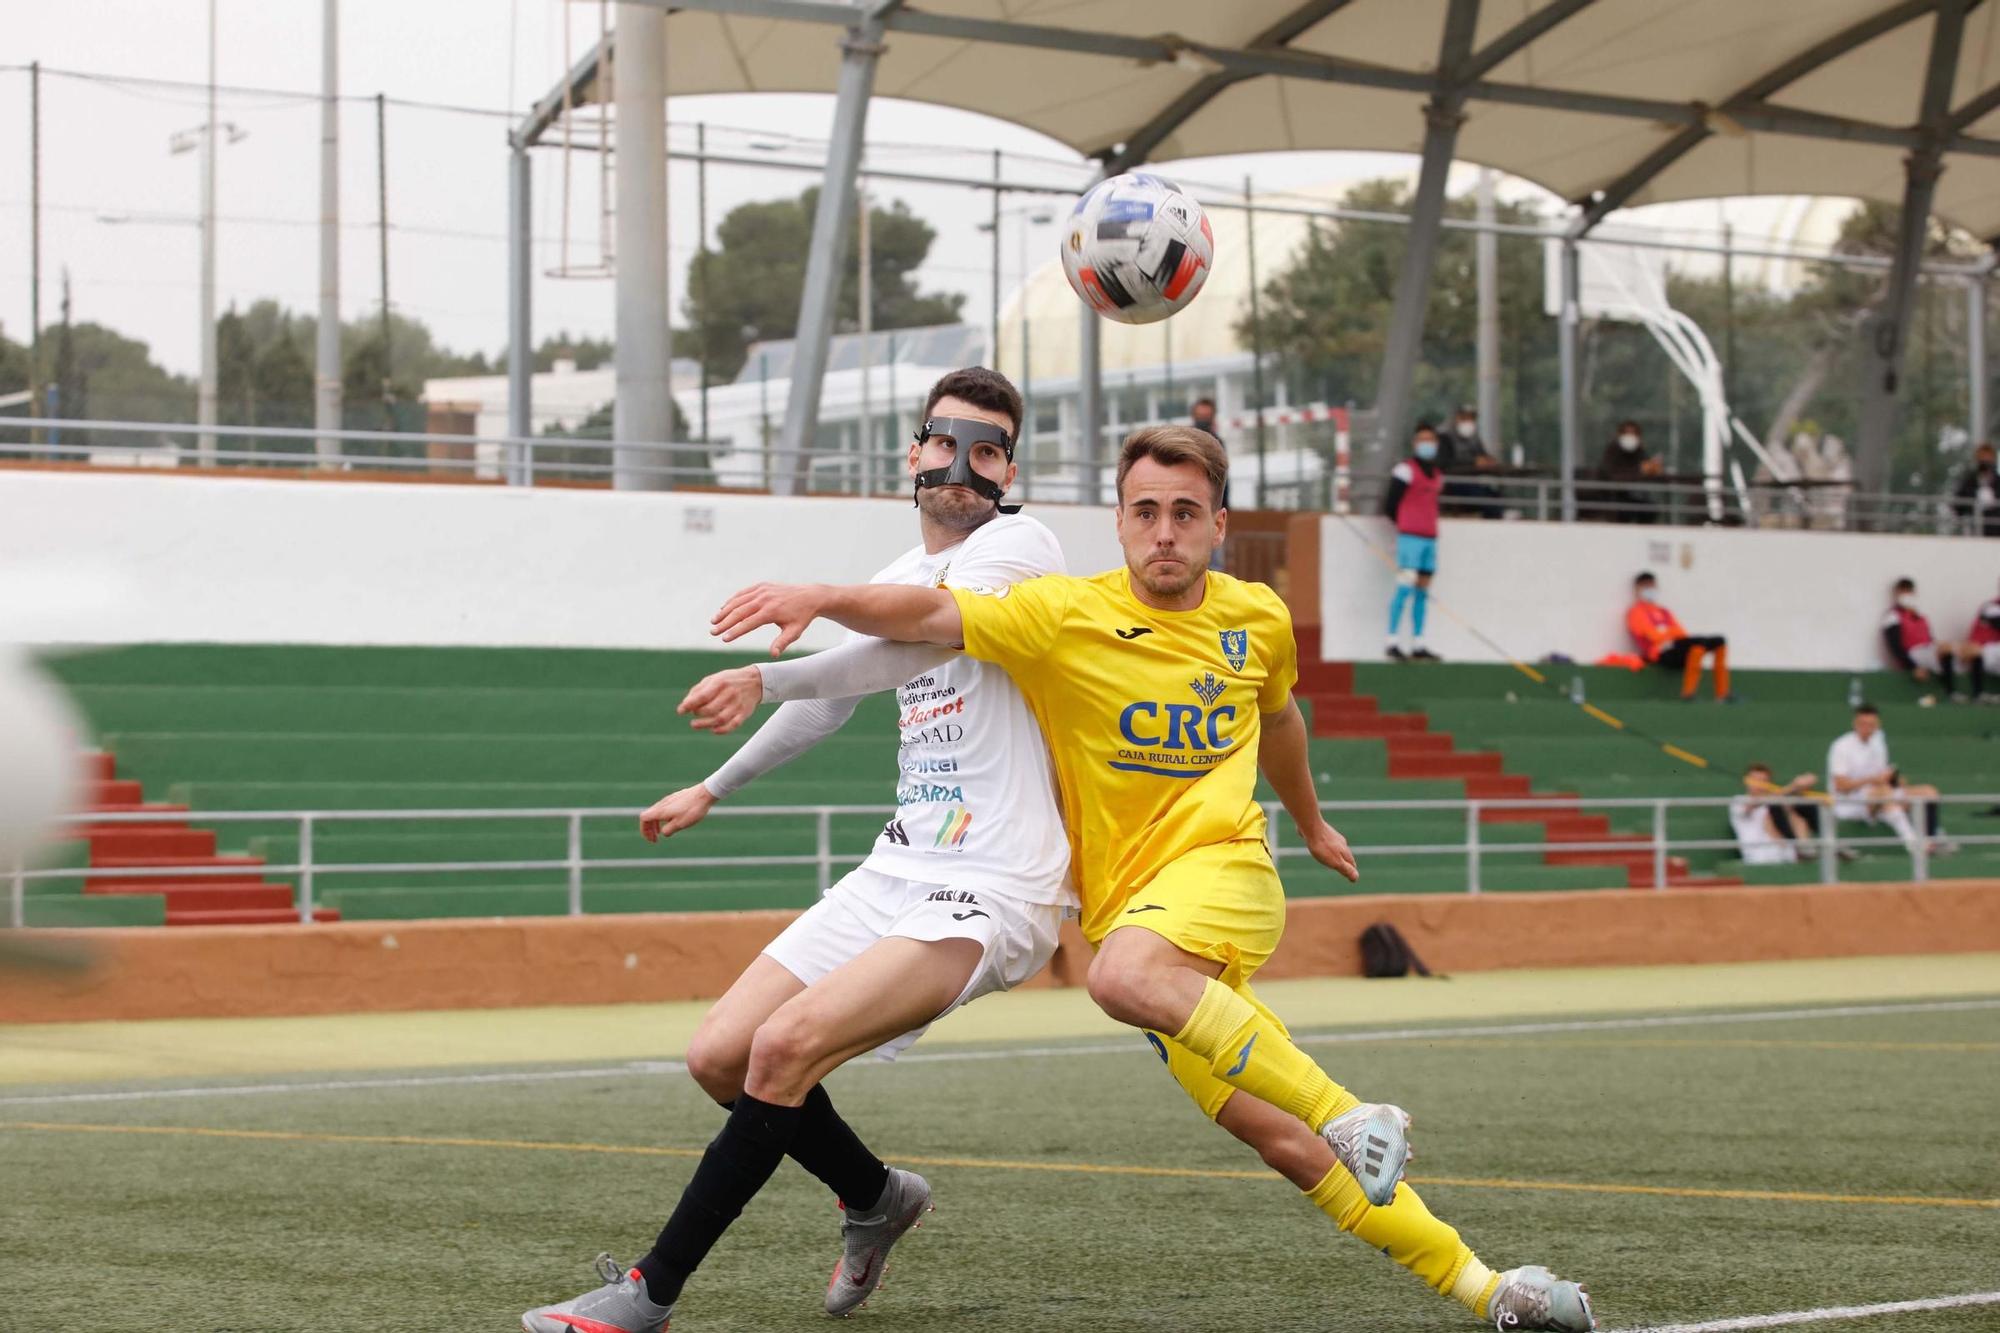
{"points": [[982, 388], [1172, 446]]}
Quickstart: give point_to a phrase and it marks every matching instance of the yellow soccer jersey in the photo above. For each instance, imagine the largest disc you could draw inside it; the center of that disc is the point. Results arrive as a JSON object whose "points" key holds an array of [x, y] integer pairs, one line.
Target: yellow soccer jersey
{"points": [[1152, 716]]}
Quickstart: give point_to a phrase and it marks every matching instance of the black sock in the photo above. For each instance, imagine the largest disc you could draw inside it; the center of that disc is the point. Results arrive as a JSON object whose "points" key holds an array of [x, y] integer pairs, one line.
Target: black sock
{"points": [[735, 1167], [830, 1150], [1947, 672], [1978, 674]]}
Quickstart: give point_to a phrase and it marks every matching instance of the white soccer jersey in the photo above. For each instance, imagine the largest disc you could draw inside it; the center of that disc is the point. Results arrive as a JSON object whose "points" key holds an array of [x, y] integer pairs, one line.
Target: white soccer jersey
{"points": [[975, 790], [1852, 757], [1754, 839]]}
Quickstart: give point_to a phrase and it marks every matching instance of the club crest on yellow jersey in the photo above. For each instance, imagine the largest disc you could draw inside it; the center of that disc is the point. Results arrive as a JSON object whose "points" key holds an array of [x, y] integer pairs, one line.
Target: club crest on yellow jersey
{"points": [[1235, 647]]}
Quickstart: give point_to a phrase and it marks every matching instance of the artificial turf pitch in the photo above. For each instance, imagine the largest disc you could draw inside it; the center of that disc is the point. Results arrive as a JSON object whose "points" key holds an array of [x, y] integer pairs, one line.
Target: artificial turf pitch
{"points": [[1706, 1170]]}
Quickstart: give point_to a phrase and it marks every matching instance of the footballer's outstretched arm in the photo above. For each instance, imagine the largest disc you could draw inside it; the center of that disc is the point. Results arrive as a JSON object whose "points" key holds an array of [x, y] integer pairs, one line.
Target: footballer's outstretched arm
{"points": [[722, 702], [880, 610], [1283, 758]]}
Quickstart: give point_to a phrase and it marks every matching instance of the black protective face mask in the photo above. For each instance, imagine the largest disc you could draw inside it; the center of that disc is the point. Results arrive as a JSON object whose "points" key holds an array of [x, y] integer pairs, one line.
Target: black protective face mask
{"points": [[965, 434]]}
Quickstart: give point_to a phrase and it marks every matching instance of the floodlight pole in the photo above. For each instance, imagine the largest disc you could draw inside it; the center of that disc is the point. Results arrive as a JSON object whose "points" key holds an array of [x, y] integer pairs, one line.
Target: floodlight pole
{"points": [[1090, 388], [1975, 357], [520, 334], [819, 300], [1887, 329], [1486, 247], [1443, 115], [1566, 340], [642, 411], [205, 397], [326, 360]]}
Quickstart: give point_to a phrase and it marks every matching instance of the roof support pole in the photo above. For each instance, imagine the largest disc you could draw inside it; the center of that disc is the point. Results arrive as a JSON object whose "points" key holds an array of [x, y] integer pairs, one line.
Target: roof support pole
{"points": [[819, 301], [1885, 331], [642, 412], [520, 329], [1090, 387], [1566, 355], [1442, 117]]}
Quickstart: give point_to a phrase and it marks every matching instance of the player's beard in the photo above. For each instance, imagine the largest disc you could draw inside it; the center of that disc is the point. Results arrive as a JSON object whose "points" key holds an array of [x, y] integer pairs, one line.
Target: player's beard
{"points": [[954, 508], [1170, 585]]}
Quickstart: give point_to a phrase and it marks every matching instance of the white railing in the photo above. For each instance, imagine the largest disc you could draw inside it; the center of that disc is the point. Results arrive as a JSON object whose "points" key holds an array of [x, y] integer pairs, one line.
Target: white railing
{"points": [[1477, 845]]}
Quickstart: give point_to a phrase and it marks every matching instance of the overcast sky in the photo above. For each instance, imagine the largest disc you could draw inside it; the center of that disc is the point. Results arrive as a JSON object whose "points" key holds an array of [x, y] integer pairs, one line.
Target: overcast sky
{"points": [[118, 207]]}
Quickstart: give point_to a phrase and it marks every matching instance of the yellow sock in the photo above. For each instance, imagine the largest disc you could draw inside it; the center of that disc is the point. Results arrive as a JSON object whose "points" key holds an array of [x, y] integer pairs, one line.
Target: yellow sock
{"points": [[1250, 1052], [1406, 1231]]}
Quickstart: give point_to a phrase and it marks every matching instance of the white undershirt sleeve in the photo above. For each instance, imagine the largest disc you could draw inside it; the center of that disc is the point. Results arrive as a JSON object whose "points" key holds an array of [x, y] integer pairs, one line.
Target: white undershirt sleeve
{"points": [[788, 733], [860, 666]]}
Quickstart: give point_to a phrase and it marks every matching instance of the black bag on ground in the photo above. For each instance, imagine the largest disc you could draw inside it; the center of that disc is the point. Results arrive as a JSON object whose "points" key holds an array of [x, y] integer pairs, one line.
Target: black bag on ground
{"points": [[1385, 953]]}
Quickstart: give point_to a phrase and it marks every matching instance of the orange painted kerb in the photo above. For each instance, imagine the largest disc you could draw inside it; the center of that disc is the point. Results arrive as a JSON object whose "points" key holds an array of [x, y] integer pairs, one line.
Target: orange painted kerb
{"points": [[189, 972]]}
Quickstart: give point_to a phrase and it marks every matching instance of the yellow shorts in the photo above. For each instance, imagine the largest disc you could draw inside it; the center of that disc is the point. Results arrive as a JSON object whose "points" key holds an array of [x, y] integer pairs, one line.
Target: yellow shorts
{"points": [[1193, 1073], [1223, 902]]}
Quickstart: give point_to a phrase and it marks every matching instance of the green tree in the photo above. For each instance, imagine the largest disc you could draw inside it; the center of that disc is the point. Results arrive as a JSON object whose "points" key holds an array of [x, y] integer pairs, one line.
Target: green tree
{"points": [[588, 353], [1325, 314], [748, 287]]}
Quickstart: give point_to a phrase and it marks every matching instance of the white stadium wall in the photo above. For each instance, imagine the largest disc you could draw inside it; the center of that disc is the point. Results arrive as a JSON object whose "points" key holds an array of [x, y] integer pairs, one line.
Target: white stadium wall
{"points": [[135, 559], [1789, 600]]}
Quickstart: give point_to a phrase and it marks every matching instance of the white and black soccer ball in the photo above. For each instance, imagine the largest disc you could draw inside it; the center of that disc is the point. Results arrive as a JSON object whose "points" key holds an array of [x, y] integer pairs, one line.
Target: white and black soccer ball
{"points": [[1137, 249], [41, 759]]}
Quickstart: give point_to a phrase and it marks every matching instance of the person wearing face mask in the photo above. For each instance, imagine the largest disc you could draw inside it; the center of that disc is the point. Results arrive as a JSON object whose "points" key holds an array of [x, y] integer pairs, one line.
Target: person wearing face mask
{"points": [[1906, 632], [1978, 494], [1626, 460], [1984, 651], [1415, 485], [1664, 643], [1462, 452]]}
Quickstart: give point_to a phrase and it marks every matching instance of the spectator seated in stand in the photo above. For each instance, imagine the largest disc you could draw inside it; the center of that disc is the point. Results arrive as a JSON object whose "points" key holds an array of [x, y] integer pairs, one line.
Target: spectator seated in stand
{"points": [[1906, 633], [1771, 827], [1868, 789], [1664, 643], [1984, 650], [1626, 460]]}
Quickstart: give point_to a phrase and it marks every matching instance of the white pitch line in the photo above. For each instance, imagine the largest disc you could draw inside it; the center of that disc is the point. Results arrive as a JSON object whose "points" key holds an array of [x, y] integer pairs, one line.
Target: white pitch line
{"points": [[649, 1068], [1827, 1314]]}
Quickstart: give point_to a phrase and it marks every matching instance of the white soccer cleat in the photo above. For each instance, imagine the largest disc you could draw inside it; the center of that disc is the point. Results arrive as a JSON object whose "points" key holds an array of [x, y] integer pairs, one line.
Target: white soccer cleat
{"points": [[1373, 1142], [1532, 1297]]}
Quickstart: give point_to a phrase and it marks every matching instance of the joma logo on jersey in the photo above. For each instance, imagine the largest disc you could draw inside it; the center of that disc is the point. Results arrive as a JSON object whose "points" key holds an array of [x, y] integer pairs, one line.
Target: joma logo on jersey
{"points": [[1175, 726]]}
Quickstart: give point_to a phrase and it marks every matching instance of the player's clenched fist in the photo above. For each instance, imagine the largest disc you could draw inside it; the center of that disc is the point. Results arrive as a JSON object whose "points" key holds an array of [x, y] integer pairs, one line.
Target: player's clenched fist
{"points": [[1330, 849], [722, 701], [670, 814], [789, 606]]}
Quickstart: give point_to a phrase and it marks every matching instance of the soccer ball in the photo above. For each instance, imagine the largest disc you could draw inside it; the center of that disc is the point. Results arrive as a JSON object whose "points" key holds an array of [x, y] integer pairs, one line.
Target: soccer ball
{"points": [[1137, 249]]}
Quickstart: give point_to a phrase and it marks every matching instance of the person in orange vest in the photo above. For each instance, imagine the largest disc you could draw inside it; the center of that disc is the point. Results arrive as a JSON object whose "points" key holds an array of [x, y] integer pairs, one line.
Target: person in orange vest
{"points": [[1664, 643]]}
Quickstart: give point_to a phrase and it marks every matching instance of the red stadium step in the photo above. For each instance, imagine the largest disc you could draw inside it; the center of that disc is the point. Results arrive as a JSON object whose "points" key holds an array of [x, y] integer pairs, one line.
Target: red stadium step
{"points": [[1474, 765], [1699, 882], [1330, 677], [100, 766], [149, 841], [120, 791], [1588, 829], [199, 870], [247, 917], [1538, 814], [1370, 728], [1344, 705], [139, 809], [181, 896], [1504, 787], [1422, 742]]}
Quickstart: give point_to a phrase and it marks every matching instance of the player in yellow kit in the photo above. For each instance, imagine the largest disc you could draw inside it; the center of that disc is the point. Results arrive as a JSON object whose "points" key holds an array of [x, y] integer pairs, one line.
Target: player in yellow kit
{"points": [[1163, 690]]}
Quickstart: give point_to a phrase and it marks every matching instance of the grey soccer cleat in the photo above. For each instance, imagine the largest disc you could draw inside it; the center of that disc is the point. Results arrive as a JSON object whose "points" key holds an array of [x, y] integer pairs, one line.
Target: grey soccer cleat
{"points": [[1373, 1142], [621, 1305], [1534, 1298], [865, 1241]]}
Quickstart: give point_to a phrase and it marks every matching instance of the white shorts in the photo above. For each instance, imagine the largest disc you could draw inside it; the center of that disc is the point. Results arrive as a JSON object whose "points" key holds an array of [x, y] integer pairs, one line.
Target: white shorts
{"points": [[1989, 653], [1925, 655], [866, 906]]}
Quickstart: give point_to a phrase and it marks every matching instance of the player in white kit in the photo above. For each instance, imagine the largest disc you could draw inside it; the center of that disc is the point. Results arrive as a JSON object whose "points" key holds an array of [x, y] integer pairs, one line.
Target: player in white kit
{"points": [[962, 894]]}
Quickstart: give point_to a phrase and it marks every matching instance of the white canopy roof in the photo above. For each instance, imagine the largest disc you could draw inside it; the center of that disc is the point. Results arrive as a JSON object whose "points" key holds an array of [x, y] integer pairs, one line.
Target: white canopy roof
{"points": [[1759, 96]]}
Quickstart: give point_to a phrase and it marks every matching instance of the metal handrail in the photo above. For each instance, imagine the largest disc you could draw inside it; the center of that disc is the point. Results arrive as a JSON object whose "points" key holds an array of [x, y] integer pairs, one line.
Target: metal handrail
{"points": [[309, 868]]}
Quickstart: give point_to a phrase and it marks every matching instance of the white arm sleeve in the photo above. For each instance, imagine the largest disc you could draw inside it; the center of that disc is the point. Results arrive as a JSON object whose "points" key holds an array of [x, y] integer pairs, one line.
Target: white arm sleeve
{"points": [[786, 734], [863, 666]]}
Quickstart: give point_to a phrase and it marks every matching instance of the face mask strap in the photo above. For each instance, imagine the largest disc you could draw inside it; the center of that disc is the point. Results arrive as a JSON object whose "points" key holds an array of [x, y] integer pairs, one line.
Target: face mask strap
{"points": [[964, 434]]}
